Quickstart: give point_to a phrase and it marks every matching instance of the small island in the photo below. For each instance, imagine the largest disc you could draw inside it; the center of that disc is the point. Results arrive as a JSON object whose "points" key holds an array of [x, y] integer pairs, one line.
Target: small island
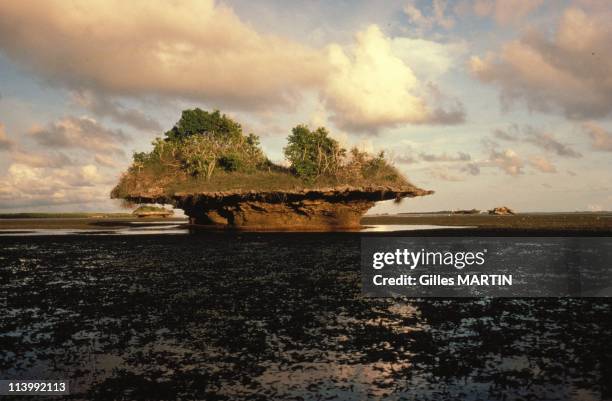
{"points": [[147, 211], [220, 176]]}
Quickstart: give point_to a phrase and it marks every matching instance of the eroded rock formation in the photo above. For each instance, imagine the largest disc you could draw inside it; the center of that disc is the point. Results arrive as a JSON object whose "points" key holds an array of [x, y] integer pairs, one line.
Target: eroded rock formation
{"points": [[316, 209], [501, 211]]}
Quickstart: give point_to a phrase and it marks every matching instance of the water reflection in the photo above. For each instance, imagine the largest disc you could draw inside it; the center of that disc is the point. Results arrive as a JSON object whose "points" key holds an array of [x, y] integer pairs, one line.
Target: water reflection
{"points": [[277, 316], [407, 227], [172, 228], [134, 228]]}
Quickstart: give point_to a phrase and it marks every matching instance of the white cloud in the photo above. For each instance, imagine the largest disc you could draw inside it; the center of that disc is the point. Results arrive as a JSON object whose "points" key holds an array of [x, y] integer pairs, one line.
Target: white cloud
{"points": [[428, 59], [25, 185], [372, 87], [90, 174], [507, 160]]}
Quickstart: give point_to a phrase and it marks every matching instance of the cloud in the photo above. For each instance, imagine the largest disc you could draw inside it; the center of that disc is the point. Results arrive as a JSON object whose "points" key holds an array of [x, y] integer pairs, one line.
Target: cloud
{"points": [[194, 49], [511, 134], [371, 87], [471, 168], [438, 16], [37, 160], [445, 175], [410, 156], [5, 142], [202, 51], [428, 59], [568, 71], [446, 110], [405, 158], [547, 141], [106, 161], [601, 140], [102, 106], [510, 162], [542, 164], [24, 185], [460, 157], [505, 11], [507, 161], [80, 132], [533, 136]]}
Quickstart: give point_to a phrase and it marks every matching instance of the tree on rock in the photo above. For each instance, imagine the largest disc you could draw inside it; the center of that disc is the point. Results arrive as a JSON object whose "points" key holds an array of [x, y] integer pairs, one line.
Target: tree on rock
{"points": [[313, 153], [198, 121]]}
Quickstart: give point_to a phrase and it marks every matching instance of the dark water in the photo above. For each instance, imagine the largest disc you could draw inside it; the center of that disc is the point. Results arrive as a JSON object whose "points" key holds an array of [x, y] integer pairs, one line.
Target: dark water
{"points": [[276, 316]]}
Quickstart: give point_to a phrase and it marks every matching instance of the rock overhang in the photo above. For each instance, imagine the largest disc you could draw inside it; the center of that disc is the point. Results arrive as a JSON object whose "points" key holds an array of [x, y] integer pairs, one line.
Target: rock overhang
{"points": [[327, 208]]}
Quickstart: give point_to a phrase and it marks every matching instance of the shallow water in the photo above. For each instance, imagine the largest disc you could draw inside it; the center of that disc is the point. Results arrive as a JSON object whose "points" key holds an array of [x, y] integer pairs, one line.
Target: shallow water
{"points": [[143, 228], [276, 316], [124, 228]]}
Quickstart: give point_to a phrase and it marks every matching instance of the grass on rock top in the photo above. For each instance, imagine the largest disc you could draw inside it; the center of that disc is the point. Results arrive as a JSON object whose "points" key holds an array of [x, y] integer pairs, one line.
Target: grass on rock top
{"points": [[170, 184]]}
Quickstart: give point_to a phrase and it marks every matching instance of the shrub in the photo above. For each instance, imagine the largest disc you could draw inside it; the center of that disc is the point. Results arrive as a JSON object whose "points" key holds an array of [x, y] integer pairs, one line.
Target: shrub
{"points": [[313, 153], [198, 121], [230, 162], [198, 144]]}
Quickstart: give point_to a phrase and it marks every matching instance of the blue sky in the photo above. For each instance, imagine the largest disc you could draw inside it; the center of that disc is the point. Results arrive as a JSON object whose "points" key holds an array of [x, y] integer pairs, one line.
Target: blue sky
{"points": [[487, 102]]}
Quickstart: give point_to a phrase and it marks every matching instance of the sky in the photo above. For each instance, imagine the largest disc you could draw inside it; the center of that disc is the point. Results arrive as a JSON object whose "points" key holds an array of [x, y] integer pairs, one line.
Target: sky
{"points": [[486, 102]]}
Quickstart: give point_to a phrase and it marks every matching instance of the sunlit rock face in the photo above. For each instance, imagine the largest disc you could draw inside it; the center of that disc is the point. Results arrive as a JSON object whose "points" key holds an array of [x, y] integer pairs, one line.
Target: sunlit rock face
{"points": [[314, 209]]}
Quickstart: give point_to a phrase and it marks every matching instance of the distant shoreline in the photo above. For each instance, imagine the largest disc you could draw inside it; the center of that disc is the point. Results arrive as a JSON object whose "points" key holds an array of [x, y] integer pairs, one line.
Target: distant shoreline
{"points": [[61, 215], [544, 223]]}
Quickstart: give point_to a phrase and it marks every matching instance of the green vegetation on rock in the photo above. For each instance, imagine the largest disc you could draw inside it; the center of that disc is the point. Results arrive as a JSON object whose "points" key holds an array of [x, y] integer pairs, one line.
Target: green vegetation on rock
{"points": [[208, 151], [313, 153], [148, 210]]}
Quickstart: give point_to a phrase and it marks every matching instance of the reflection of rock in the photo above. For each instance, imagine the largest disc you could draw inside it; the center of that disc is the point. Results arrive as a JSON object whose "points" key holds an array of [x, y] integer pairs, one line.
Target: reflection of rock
{"points": [[501, 211], [326, 208]]}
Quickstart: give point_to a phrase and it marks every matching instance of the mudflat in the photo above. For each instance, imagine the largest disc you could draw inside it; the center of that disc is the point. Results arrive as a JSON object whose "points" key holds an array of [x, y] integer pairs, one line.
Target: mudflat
{"points": [[274, 316]]}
